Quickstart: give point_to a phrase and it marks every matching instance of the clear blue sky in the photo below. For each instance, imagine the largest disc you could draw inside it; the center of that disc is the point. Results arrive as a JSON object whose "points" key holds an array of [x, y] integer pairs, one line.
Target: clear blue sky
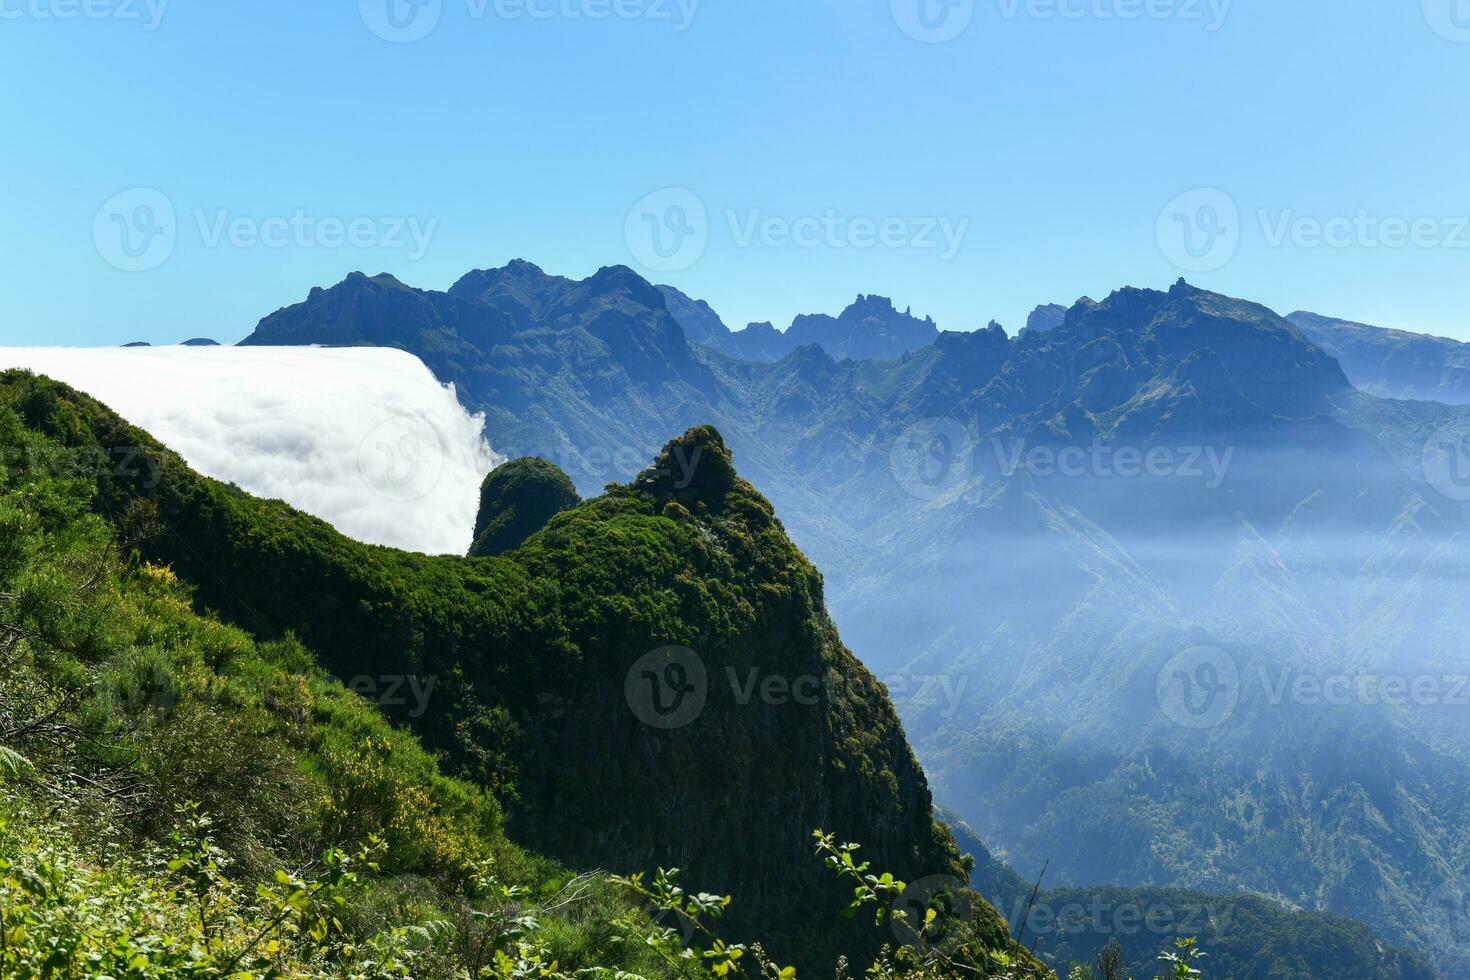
{"points": [[1060, 139]]}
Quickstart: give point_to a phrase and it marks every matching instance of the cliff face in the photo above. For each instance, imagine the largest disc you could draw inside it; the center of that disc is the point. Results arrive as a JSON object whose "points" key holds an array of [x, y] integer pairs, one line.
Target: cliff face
{"points": [[651, 680]]}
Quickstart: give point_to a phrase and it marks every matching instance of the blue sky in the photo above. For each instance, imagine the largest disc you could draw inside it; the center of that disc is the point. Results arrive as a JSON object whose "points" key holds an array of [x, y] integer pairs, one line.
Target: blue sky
{"points": [[807, 150]]}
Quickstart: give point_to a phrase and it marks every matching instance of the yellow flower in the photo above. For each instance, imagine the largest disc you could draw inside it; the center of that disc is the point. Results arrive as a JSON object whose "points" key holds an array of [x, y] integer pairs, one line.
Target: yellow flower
{"points": [[162, 574]]}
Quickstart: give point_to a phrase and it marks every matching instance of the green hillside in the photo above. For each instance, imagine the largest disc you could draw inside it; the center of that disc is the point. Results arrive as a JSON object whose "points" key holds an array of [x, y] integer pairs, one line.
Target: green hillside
{"points": [[527, 658]]}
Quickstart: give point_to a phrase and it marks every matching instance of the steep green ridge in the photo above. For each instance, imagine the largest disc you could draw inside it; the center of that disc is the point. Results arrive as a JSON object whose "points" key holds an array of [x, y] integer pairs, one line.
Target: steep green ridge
{"points": [[532, 654], [516, 501], [1242, 935], [119, 704]]}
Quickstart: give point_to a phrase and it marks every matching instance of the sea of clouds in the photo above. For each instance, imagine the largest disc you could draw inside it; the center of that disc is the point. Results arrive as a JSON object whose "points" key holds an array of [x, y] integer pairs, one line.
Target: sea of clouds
{"points": [[364, 438]]}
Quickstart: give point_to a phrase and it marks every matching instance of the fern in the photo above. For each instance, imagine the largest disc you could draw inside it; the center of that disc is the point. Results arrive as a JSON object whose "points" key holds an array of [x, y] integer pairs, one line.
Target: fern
{"points": [[14, 767]]}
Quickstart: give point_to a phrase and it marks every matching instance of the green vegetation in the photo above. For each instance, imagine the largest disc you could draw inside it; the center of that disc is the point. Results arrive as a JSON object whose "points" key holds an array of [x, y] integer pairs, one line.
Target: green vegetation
{"points": [[174, 782], [516, 501], [178, 799]]}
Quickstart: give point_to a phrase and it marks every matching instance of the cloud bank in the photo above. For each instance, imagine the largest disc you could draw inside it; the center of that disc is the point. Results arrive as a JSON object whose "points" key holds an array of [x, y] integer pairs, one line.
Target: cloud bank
{"points": [[364, 438]]}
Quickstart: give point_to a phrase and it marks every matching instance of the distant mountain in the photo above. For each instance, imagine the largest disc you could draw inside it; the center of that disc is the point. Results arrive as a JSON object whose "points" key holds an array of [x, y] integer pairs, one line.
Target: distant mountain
{"points": [[1243, 935], [1393, 363], [1045, 318], [138, 343], [760, 342], [200, 342], [702, 324], [870, 329], [1023, 536]]}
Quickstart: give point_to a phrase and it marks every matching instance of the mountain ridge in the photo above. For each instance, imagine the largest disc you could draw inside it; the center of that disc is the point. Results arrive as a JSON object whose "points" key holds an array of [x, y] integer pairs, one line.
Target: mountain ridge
{"points": [[556, 615], [1009, 523]]}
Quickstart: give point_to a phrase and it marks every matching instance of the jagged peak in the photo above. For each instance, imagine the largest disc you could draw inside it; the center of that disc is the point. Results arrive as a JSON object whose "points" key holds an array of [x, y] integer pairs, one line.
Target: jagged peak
{"points": [[1183, 288], [695, 470]]}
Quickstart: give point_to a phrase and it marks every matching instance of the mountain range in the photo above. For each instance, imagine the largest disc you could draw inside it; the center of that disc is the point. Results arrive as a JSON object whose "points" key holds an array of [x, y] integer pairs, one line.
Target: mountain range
{"points": [[871, 329], [1107, 567]]}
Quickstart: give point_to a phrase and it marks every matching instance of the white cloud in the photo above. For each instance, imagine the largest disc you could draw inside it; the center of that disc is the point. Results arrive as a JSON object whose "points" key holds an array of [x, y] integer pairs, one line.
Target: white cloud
{"points": [[364, 438]]}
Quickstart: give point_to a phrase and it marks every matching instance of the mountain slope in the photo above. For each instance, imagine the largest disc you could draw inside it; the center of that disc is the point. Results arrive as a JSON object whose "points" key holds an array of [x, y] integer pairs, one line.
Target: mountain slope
{"points": [[1243, 935], [540, 660], [169, 785], [1393, 363], [1022, 535]]}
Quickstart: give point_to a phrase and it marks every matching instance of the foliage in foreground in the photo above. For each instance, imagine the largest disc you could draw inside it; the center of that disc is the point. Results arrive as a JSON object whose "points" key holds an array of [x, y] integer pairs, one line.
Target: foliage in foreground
{"points": [[178, 799]]}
